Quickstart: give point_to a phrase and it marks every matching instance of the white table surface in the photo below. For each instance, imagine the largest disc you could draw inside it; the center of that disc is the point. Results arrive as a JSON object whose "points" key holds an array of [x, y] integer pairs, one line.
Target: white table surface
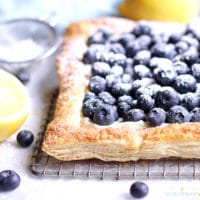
{"points": [[43, 80]]}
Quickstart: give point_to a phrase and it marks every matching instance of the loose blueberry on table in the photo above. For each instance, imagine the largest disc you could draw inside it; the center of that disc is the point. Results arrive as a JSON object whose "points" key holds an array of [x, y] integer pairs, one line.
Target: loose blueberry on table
{"points": [[25, 138], [23, 76], [139, 190], [143, 75], [9, 180]]}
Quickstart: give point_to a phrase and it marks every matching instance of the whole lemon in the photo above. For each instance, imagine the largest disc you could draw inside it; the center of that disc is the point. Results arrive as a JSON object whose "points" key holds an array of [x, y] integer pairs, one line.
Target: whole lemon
{"points": [[14, 104], [160, 10]]}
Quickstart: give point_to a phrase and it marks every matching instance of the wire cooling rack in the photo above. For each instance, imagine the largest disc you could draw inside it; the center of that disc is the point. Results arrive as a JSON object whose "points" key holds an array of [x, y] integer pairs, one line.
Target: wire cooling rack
{"points": [[47, 166]]}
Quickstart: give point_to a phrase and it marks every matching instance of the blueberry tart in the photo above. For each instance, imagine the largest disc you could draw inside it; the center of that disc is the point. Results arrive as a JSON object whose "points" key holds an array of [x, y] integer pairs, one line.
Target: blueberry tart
{"points": [[126, 94]]}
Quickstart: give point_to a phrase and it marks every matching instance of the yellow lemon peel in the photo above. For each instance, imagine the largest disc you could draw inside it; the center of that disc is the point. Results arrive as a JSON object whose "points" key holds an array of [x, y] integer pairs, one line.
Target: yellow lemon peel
{"points": [[14, 104], [181, 11]]}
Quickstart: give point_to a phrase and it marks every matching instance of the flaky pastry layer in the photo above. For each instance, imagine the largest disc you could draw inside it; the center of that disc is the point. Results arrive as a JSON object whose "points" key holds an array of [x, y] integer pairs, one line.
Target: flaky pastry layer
{"points": [[71, 136]]}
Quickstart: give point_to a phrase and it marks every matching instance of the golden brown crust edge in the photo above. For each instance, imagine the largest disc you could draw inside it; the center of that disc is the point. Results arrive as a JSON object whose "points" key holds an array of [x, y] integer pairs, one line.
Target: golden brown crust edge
{"points": [[70, 136]]}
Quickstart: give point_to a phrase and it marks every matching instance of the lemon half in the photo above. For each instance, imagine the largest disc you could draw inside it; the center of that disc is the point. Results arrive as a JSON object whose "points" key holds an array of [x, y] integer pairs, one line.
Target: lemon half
{"points": [[14, 104]]}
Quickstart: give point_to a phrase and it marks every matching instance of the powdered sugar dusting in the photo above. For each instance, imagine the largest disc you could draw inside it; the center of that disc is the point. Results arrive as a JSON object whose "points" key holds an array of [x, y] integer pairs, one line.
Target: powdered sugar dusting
{"points": [[20, 50]]}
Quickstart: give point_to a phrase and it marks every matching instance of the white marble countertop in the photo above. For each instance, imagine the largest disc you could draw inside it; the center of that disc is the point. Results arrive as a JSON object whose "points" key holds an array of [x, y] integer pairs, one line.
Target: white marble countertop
{"points": [[42, 81]]}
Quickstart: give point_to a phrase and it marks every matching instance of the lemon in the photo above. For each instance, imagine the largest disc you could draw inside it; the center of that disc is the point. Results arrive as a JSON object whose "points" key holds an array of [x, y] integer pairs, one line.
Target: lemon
{"points": [[14, 104], [160, 10]]}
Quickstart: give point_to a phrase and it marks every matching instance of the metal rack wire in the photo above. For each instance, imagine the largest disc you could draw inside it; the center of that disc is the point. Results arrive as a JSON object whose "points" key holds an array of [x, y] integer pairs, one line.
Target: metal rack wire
{"points": [[47, 166]]}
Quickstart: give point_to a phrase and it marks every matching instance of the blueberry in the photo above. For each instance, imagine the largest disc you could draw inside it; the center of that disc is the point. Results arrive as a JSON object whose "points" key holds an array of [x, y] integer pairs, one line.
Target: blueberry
{"points": [[195, 70], [136, 84], [117, 48], [165, 75], [89, 107], [129, 62], [178, 114], [170, 51], [181, 67], [191, 41], [156, 116], [175, 37], [191, 56], [126, 38], [157, 62], [89, 95], [107, 32], [166, 98], [117, 70], [25, 138], [126, 78], [134, 115], [99, 37], [9, 180], [100, 69], [142, 91], [124, 62], [141, 28], [158, 38], [107, 98], [141, 83], [190, 29], [123, 107], [181, 47], [178, 57], [96, 38], [120, 89], [141, 71], [158, 50], [89, 57], [197, 92], [125, 98], [163, 50], [145, 102], [105, 114], [134, 103], [147, 81], [196, 33], [118, 59], [195, 115], [132, 48], [23, 76], [113, 39], [153, 89], [185, 83], [97, 48], [111, 80], [144, 41], [104, 56], [190, 101], [129, 70], [198, 88], [97, 84], [142, 57], [139, 190]]}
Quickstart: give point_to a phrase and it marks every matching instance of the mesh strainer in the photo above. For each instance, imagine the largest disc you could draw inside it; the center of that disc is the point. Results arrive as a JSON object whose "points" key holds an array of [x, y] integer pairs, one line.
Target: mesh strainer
{"points": [[23, 42]]}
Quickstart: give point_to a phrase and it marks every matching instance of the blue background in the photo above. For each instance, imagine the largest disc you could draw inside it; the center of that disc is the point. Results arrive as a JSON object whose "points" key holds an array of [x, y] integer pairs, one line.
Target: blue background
{"points": [[66, 11]]}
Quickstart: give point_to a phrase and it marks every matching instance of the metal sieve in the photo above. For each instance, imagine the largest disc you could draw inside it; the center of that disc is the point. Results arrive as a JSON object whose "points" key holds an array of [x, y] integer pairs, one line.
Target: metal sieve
{"points": [[24, 42]]}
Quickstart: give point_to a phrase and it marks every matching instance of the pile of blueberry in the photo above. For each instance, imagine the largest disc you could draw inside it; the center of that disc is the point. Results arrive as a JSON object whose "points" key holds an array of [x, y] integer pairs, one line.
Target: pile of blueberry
{"points": [[143, 75]]}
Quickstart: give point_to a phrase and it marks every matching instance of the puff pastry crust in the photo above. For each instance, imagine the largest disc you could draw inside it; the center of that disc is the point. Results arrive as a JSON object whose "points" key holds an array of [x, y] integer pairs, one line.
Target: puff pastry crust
{"points": [[71, 136]]}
